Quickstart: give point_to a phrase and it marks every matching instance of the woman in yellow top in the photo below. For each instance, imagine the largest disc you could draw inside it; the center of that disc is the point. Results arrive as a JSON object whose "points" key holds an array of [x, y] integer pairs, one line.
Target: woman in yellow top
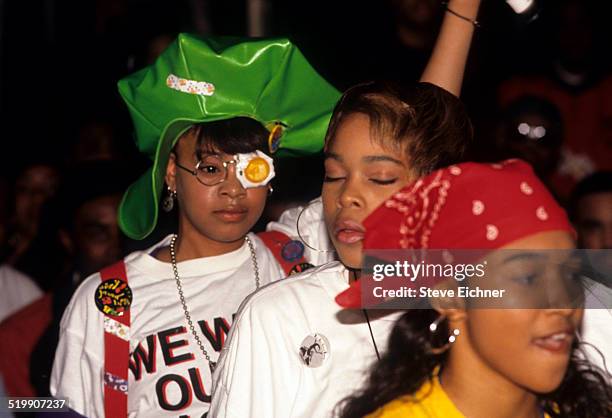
{"points": [[456, 360]]}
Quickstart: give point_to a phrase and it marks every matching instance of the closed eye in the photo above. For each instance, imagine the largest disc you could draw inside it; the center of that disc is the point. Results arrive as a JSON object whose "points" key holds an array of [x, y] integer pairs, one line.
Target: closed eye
{"points": [[384, 182], [329, 179]]}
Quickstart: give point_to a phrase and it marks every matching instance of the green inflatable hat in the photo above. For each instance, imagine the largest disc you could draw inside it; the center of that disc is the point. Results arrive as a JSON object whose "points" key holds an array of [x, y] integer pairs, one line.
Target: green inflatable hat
{"points": [[206, 79]]}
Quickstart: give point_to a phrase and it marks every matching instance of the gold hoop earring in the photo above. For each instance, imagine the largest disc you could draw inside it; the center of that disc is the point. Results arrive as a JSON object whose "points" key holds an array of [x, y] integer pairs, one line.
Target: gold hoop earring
{"points": [[433, 328]]}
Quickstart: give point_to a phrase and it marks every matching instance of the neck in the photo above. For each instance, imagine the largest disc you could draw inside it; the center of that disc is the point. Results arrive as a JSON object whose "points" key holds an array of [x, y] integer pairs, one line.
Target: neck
{"points": [[191, 245], [480, 392], [354, 275]]}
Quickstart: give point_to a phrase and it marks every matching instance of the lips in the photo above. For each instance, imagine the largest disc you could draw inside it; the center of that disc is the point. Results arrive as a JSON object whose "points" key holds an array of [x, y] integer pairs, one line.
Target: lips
{"points": [[232, 213], [348, 231], [558, 343]]}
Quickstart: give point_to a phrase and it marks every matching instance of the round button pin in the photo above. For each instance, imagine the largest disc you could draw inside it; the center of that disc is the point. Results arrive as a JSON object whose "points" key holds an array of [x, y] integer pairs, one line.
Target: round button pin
{"points": [[292, 250], [314, 350], [113, 297]]}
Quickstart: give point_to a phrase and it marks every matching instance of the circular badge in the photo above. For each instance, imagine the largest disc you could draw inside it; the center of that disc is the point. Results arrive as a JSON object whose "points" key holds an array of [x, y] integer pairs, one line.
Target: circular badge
{"points": [[257, 170], [314, 350], [113, 297], [292, 250], [298, 268]]}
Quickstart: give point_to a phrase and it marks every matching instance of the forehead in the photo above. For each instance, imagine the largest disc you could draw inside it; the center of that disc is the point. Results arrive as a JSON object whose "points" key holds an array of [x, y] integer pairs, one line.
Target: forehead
{"points": [[39, 174], [547, 240], [356, 137]]}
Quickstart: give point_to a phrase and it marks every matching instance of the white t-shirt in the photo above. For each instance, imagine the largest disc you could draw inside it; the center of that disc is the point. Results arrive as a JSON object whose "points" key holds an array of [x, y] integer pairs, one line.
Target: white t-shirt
{"points": [[260, 371], [16, 291], [318, 248], [597, 327], [169, 375]]}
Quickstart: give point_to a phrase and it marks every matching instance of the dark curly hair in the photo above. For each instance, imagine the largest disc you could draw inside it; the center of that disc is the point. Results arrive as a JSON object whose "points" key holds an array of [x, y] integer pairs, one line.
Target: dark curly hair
{"points": [[409, 363]]}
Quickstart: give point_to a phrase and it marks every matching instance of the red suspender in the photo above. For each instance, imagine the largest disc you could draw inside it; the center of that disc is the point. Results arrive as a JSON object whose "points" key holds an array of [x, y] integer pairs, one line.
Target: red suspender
{"points": [[116, 352], [286, 251]]}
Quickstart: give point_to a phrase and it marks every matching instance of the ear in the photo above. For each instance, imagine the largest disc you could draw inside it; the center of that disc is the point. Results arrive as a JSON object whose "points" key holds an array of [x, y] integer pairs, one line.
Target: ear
{"points": [[453, 307], [171, 171]]}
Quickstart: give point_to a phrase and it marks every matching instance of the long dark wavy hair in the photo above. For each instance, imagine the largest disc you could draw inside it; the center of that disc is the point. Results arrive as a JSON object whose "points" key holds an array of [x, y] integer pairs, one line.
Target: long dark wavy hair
{"points": [[409, 363]]}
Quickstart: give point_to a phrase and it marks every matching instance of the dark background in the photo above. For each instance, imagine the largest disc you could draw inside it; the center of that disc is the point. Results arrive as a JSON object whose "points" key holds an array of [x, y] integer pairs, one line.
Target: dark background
{"points": [[60, 60]]}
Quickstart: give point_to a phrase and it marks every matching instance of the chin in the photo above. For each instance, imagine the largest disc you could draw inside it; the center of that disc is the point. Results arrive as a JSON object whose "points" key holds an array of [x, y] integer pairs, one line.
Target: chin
{"points": [[350, 257], [544, 381], [229, 234], [545, 386]]}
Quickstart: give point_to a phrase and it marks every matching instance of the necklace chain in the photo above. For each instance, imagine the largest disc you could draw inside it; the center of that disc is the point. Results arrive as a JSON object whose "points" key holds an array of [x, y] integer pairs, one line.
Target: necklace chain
{"points": [[179, 287]]}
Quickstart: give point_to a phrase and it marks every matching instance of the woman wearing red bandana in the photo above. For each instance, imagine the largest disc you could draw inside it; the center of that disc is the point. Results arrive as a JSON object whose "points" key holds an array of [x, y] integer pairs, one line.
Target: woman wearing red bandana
{"points": [[505, 363]]}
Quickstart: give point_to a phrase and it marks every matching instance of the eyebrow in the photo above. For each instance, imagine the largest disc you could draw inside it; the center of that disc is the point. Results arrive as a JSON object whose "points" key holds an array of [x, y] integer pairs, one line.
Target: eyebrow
{"points": [[367, 158], [377, 158], [524, 256]]}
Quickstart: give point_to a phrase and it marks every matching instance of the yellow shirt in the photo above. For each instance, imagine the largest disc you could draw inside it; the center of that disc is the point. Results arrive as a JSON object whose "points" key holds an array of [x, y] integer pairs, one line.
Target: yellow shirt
{"points": [[430, 401]]}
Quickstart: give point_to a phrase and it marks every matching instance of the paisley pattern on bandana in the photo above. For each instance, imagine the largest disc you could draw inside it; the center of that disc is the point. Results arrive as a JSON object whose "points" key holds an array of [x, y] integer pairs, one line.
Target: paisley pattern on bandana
{"points": [[421, 204], [468, 205]]}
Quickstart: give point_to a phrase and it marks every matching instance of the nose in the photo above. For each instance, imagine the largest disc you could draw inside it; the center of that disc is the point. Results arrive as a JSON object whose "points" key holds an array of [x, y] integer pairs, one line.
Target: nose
{"points": [[350, 195], [231, 187], [565, 294]]}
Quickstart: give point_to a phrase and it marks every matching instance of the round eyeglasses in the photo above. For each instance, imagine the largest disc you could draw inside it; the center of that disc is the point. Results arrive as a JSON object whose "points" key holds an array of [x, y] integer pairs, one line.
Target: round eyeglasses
{"points": [[210, 170], [253, 169]]}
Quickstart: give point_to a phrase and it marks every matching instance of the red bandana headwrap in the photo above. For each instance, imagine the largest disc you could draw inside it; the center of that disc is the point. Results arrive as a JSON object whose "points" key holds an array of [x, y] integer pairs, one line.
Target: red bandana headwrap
{"points": [[464, 206]]}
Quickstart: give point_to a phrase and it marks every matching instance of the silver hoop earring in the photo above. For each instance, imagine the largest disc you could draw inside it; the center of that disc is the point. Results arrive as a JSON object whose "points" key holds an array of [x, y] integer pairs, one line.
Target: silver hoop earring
{"points": [[270, 190], [168, 200], [433, 328], [297, 227]]}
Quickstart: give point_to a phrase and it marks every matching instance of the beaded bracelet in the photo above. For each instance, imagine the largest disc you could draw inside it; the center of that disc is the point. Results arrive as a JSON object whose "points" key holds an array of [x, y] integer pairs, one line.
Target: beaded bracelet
{"points": [[467, 19]]}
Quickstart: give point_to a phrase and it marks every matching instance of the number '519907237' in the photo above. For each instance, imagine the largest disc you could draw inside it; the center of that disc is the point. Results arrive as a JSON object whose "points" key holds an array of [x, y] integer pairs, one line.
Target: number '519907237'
{"points": [[23, 404]]}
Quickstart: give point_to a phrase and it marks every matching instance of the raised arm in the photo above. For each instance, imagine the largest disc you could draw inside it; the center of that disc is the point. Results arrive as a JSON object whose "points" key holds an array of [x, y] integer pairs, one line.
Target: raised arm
{"points": [[446, 65]]}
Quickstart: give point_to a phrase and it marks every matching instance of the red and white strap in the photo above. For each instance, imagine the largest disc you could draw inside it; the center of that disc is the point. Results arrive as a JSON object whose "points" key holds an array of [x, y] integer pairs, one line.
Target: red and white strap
{"points": [[116, 352]]}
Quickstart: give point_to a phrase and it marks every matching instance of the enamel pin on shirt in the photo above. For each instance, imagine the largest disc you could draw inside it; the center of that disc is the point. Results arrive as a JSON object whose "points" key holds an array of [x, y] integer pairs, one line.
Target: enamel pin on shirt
{"points": [[113, 297], [314, 350]]}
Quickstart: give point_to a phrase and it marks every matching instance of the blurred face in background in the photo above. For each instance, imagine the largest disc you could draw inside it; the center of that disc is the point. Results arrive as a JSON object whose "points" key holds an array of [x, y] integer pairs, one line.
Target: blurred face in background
{"points": [[33, 188], [534, 138], [96, 239], [594, 221], [531, 128]]}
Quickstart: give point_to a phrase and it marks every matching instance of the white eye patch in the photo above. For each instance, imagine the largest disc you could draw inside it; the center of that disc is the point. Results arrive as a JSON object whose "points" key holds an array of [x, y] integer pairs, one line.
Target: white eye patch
{"points": [[254, 169]]}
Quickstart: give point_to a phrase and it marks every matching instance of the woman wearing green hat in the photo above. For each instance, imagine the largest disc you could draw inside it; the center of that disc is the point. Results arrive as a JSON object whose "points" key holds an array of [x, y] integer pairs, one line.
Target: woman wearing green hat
{"points": [[156, 321], [141, 338]]}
